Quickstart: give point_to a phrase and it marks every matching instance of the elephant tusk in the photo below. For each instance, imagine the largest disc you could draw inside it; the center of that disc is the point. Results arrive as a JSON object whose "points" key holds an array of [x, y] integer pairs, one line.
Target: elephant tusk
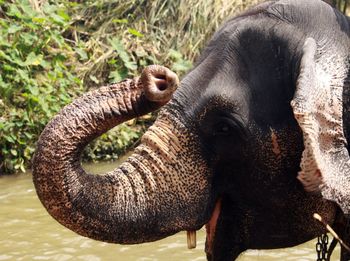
{"points": [[210, 227], [191, 239]]}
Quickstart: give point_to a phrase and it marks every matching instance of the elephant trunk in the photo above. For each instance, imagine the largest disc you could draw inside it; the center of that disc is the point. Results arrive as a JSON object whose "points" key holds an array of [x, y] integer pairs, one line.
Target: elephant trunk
{"points": [[159, 190]]}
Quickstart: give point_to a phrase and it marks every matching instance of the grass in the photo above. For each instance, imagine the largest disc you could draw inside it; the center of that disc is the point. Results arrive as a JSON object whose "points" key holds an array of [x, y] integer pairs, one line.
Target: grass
{"points": [[159, 31]]}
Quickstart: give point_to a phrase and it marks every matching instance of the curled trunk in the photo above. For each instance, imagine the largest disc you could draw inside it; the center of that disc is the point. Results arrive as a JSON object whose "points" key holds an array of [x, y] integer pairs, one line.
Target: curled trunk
{"points": [[142, 200]]}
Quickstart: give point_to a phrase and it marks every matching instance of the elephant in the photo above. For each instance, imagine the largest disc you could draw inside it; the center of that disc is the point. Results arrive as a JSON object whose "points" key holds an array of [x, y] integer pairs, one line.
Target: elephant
{"points": [[251, 144]]}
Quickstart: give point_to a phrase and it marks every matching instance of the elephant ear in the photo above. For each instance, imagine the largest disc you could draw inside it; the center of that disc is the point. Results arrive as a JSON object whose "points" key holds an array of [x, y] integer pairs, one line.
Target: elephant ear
{"points": [[318, 108]]}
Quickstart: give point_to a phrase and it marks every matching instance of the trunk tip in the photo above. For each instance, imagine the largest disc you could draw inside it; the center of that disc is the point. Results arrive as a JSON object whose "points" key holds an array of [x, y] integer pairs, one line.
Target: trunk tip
{"points": [[159, 83]]}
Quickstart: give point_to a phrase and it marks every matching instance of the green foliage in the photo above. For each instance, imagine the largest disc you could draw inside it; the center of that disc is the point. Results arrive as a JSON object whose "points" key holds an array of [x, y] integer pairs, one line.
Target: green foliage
{"points": [[114, 143], [35, 80], [342, 5]]}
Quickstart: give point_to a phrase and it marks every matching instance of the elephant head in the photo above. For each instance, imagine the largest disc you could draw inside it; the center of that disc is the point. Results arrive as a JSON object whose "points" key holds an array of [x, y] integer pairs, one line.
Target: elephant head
{"points": [[225, 150]]}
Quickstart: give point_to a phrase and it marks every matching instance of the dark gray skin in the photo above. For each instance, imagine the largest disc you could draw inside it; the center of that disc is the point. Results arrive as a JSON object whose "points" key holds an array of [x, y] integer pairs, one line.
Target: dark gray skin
{"points": [[227, 134]]}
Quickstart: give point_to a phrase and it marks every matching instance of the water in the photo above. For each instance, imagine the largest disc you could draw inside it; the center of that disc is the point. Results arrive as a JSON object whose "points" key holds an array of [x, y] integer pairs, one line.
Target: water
{"points": [[27, 232]]}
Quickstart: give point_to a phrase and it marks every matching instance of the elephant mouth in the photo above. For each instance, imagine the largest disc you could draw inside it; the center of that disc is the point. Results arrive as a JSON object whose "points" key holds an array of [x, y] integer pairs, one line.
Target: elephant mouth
{"points": [[210, 228]]}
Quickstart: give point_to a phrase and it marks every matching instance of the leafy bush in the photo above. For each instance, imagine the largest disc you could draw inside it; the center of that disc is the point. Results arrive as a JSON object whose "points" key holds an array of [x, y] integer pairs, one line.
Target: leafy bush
{"points": [[115, 142], [35, 81]]}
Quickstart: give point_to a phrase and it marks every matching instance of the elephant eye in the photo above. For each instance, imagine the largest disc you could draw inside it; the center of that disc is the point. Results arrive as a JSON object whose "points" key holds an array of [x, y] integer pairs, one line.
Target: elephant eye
{"points": [[222, 128], [228, 126], [215, 126]]}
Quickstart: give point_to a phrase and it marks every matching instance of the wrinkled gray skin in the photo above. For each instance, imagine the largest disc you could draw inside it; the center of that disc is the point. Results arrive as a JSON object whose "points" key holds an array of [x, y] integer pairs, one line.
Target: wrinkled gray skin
{"points": [[227, 134]]}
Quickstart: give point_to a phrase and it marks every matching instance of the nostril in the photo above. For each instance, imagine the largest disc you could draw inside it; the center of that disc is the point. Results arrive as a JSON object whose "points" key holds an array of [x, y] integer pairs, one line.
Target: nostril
{"points": [[161, 84]]}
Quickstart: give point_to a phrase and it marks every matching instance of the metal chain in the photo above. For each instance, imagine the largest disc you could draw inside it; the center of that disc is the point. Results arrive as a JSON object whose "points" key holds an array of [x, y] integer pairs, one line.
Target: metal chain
{"points": [[322, 247]]}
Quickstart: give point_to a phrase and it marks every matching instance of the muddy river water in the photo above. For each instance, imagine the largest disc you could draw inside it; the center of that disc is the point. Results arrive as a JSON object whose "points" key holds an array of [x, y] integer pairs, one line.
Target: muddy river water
{"points": [[27, 232]]}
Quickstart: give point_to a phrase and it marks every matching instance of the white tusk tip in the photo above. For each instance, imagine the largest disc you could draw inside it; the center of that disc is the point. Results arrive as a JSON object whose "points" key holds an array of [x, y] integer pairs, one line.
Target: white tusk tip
{"points": [[191, 239]]}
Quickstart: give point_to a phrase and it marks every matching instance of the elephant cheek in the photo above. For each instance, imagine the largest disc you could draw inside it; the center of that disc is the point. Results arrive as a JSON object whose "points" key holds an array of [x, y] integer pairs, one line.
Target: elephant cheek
{"points": [[210, 228]]}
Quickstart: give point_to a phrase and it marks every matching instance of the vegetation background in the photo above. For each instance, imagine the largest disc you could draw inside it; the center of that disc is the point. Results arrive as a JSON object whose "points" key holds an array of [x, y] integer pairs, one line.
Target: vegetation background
{"points": [[53, 51]]}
